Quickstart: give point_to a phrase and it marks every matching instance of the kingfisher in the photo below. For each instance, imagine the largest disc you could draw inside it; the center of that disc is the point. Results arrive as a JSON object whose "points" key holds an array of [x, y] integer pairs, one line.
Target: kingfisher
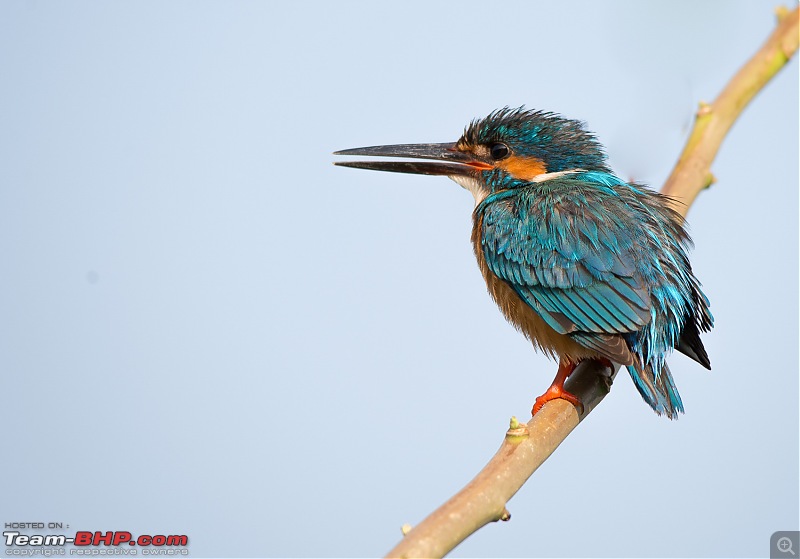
{"points": [[586, 265]]}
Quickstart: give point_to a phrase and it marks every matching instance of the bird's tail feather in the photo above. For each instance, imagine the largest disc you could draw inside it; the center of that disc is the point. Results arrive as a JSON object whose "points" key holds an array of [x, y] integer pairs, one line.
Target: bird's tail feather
{"points": [[657, 390]]}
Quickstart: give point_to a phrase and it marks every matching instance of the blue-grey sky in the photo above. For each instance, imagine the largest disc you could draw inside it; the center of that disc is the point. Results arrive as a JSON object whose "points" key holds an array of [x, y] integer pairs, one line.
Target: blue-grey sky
{"points": [[208, 329]]}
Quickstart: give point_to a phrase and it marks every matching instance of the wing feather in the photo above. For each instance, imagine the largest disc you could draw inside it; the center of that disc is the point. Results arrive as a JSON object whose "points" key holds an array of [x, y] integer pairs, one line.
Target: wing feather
{"points": [[578, 271]]}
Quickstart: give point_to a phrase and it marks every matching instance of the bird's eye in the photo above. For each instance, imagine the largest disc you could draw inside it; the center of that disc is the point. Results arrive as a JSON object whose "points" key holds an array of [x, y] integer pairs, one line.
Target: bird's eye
{"points": [[499, 151]]}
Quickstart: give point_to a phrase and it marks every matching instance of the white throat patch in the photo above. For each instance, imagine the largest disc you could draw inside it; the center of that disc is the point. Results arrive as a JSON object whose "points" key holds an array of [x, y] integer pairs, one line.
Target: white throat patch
{"points": [[480, 191], [476, 187]]}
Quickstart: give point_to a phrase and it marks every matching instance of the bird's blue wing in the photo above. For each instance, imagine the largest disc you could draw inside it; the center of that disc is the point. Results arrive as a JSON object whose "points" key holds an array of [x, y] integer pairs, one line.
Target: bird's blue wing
{"points": [[571, 261]]}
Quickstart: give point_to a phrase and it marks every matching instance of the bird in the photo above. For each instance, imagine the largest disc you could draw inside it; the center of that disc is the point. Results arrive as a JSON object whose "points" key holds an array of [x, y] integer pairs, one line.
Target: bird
{"points": [[583, 263]]}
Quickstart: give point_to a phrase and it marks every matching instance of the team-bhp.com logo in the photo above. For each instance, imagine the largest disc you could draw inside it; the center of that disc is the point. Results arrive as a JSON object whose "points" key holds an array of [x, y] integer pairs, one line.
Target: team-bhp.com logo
{"points": [[85, 541]]}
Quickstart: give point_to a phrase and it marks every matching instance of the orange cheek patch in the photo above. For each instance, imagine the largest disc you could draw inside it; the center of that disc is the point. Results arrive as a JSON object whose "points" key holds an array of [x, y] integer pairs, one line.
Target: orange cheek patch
{"points": [[523, 168]]}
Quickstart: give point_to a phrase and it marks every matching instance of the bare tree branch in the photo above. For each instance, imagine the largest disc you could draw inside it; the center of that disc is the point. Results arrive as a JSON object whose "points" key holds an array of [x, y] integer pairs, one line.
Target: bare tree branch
{"points": [[527, 446], [692, 173]]}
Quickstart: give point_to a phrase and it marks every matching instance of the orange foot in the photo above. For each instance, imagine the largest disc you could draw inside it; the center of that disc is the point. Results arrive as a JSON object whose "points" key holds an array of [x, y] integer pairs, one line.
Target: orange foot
{"points": [[553, 393], [556, 389]]}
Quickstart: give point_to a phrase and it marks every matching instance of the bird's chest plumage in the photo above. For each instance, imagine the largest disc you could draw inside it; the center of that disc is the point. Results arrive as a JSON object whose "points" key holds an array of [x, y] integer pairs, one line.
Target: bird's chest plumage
{"points": [[519, 313]]}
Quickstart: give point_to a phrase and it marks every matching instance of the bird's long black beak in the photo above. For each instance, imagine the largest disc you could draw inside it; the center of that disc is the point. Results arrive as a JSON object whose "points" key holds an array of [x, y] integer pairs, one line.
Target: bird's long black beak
{"points": [[448, 160]]}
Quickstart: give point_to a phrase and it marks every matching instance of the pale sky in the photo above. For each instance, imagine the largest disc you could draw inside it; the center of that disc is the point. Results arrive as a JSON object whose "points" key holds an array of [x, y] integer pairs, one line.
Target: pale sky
{"points": [[210, 330]]}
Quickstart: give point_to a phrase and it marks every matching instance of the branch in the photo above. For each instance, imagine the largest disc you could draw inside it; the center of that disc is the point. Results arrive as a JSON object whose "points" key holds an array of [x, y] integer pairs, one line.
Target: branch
{"points": [[527, 446], [692, 173]]}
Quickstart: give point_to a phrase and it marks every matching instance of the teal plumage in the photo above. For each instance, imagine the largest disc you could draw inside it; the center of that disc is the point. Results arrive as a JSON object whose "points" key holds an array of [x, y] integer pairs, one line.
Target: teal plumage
{"points": [[597, 259], [601, 263]]}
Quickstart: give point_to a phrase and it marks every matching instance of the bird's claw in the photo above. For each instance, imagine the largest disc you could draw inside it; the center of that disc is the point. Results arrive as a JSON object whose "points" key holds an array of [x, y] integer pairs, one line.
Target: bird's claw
{"points": [[554, 393]]}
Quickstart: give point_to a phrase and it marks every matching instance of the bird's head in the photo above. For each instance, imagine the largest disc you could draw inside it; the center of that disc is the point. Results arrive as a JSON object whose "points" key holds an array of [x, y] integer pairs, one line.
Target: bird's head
{"points": [[510, 148]]}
